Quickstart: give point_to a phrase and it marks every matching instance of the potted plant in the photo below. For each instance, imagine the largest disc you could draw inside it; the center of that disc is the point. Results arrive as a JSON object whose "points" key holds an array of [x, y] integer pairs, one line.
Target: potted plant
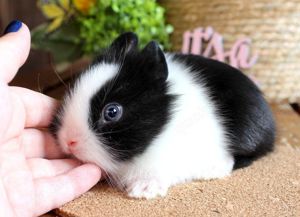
{"points": [[78, 28]]}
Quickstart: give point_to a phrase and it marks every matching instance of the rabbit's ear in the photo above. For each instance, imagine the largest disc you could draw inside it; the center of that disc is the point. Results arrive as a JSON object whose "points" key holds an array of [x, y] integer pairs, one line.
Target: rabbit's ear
{"points": [[155, 61], [125, 43]]}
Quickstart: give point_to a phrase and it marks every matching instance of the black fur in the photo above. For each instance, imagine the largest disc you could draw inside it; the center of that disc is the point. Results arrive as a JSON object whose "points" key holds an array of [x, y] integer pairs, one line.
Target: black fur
{"points": [[248, 120], [119, 48], [141, 88], [55, 124]]}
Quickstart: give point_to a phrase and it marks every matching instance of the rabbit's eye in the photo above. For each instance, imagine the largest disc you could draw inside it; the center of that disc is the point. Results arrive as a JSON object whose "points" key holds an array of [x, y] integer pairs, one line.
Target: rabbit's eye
{"points": [[112, 112]]}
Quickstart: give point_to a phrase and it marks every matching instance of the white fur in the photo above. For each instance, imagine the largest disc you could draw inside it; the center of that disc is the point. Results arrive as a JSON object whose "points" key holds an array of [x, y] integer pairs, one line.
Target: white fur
{"points": [[75, 117], [192, 146]]}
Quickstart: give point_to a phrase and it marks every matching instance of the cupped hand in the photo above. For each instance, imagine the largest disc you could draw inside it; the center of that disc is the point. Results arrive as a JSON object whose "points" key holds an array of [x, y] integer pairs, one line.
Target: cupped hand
{"points": [[34, 175]]}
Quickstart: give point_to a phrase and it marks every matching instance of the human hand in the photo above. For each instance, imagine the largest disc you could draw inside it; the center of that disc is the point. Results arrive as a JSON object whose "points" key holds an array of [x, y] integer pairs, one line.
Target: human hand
{"points": [[34, 177]]}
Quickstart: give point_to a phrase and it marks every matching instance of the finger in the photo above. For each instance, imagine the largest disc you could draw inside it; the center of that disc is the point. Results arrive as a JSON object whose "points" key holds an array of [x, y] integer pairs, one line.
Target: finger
{"points": [[7, 110], [39, 107], [12, 161], [39, 143], [48, 168], [55, 191], [17, 182], [18, 186], [14, 50], [5, 207]]}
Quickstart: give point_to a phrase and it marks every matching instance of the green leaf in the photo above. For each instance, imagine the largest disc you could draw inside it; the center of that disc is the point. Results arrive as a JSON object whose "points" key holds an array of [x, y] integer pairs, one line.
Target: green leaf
{"points": [[92, 32], [64, 47]]}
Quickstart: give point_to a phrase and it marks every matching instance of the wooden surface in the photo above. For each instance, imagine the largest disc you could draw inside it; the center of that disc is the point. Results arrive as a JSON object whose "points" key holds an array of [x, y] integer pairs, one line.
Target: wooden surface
{"points": [[25, 11], [51, 82], [37, 69]]}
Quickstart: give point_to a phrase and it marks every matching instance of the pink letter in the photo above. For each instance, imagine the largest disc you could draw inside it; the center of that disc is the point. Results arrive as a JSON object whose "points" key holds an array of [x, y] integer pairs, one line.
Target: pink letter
{"points": [[239, 54], [192, 41], [215, 46]]}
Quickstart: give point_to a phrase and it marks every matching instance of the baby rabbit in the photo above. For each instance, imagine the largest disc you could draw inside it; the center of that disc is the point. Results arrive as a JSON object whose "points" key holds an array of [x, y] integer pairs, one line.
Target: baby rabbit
{"points": [[151, 120]]}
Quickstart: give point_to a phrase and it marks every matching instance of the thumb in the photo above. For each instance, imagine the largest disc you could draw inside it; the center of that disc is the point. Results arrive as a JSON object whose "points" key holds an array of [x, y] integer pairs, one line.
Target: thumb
{"points": [[14, 49]]}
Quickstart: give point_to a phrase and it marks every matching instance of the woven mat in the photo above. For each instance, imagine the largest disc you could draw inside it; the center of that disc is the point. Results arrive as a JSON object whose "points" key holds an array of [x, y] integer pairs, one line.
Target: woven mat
{"points": [[269, 187], [273, 27]]}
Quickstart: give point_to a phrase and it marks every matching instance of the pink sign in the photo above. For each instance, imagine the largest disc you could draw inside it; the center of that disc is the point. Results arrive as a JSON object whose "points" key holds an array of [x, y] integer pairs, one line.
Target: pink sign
{"points": [[238, 56]]}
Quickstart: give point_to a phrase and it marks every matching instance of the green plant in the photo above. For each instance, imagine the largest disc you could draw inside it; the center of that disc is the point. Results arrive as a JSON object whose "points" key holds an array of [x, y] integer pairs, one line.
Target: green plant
{"points": [[85, 27]]}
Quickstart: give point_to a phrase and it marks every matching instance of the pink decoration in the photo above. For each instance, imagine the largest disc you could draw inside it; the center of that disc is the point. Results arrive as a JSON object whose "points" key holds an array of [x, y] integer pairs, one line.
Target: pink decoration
{"points": [[238, 56]]}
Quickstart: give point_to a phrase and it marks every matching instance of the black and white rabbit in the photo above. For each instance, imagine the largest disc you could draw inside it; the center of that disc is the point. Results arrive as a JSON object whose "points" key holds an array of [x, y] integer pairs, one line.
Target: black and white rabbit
{"points": [[152, 120]]}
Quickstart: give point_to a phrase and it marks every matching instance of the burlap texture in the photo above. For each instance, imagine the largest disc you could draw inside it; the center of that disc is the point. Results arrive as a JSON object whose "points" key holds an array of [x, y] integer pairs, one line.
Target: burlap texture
{"points": [[273, 27]]}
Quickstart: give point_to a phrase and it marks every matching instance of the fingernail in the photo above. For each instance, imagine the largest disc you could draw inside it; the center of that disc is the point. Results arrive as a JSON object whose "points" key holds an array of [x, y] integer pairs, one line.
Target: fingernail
{"points": [[14, 26]]}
